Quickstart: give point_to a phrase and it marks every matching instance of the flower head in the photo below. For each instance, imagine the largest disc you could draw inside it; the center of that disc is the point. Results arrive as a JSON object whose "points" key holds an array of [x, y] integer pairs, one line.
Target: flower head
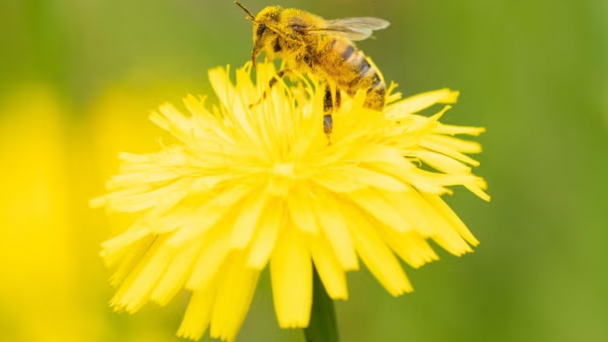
{"points": [[249, 186]]}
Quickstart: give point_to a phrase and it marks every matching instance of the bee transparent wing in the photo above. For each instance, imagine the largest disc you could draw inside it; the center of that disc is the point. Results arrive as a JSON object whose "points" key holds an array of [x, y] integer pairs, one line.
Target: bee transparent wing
{"points": [[359, 23], [351, 28]]}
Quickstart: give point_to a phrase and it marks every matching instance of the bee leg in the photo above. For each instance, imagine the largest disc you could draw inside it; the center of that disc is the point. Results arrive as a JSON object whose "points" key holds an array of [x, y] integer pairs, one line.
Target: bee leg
{"points": [[271, 84], [338, 101], [328, 108]]}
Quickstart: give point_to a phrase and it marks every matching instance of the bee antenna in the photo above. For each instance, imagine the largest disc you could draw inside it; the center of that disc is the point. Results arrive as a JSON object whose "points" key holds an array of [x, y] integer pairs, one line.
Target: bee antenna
{"points": [[251, 17]]}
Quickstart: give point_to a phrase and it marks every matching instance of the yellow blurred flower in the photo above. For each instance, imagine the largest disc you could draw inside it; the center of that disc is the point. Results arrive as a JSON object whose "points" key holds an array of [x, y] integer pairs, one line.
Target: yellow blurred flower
{"points": [[41, 297], [246, 187]]}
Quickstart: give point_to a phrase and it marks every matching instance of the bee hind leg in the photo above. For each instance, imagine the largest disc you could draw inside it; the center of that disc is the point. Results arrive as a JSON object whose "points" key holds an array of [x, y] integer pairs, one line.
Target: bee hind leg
{"points": [[272, 83], [329, 105]]}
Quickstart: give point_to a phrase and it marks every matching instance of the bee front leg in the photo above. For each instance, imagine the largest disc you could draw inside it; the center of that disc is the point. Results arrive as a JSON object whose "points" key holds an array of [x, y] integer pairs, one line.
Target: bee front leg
{"points": [[271, 84]]}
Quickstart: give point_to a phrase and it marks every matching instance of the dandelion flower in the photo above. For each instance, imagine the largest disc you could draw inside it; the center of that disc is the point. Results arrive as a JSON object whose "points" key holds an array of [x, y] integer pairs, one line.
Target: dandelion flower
{"points": [[245, 186]]}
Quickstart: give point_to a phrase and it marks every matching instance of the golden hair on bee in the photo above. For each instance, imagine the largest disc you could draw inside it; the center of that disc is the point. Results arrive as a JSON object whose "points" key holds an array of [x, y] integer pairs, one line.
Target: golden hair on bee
{"points": [[310, 44]]}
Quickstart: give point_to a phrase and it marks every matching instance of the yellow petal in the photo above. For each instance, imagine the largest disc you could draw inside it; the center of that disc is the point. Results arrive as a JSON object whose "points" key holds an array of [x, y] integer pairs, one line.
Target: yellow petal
{"points": [[438, 146], [300, 209], [171, 119], [291, 277], [134, 292], [453, 130], [212, 212], [176, 273], [448, 214], [195, 105], [113, 250], [335, 182], [234, 293], [247, 221], [328, 266], [334, 225], [265, 237], [378, 207], [443, 233], [126, 261], [410, 246], [213, 253], [442, 162], [477, 189], [376, 255], [457, 144], [416, 103], [198, 314]]}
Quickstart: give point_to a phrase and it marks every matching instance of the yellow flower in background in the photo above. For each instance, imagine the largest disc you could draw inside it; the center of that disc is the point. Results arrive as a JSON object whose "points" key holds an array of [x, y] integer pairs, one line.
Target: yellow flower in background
{"points": [[42, 278], [245, 186]]}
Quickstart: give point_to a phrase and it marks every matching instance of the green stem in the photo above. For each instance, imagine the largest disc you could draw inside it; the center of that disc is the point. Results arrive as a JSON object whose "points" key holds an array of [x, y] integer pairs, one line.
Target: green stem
{"points": [[322, 326]]}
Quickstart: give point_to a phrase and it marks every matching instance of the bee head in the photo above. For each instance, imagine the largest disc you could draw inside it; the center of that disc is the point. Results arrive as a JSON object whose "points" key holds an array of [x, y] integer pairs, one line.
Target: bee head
{"points": [[265, 29]]}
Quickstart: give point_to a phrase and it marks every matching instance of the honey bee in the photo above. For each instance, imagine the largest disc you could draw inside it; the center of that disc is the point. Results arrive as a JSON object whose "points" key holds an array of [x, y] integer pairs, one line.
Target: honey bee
{"points": [[324, 48]]}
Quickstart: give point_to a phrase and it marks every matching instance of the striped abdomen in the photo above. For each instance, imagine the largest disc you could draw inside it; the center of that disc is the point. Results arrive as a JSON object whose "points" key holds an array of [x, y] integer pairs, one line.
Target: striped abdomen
{"points": [[357, 73]]}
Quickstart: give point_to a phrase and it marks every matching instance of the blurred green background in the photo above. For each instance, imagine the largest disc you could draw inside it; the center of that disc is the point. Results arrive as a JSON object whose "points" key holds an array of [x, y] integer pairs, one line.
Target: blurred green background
{"points": [[78, 79]]}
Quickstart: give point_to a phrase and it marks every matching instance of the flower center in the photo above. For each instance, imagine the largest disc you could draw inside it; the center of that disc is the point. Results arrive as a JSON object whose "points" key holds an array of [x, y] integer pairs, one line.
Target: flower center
{"points": [[286, 170]]}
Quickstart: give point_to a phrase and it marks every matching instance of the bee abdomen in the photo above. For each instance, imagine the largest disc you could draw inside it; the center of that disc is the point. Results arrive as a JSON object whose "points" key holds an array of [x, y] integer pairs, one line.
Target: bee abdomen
{"points": [[352, 58], [376, 96], [368, 78], [361, 65], [364, 75]]}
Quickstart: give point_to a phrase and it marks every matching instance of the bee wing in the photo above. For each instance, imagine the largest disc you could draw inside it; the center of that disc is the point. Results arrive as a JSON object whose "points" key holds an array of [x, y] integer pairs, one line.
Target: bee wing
{"points": [[359, 23], [351, 28]]}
